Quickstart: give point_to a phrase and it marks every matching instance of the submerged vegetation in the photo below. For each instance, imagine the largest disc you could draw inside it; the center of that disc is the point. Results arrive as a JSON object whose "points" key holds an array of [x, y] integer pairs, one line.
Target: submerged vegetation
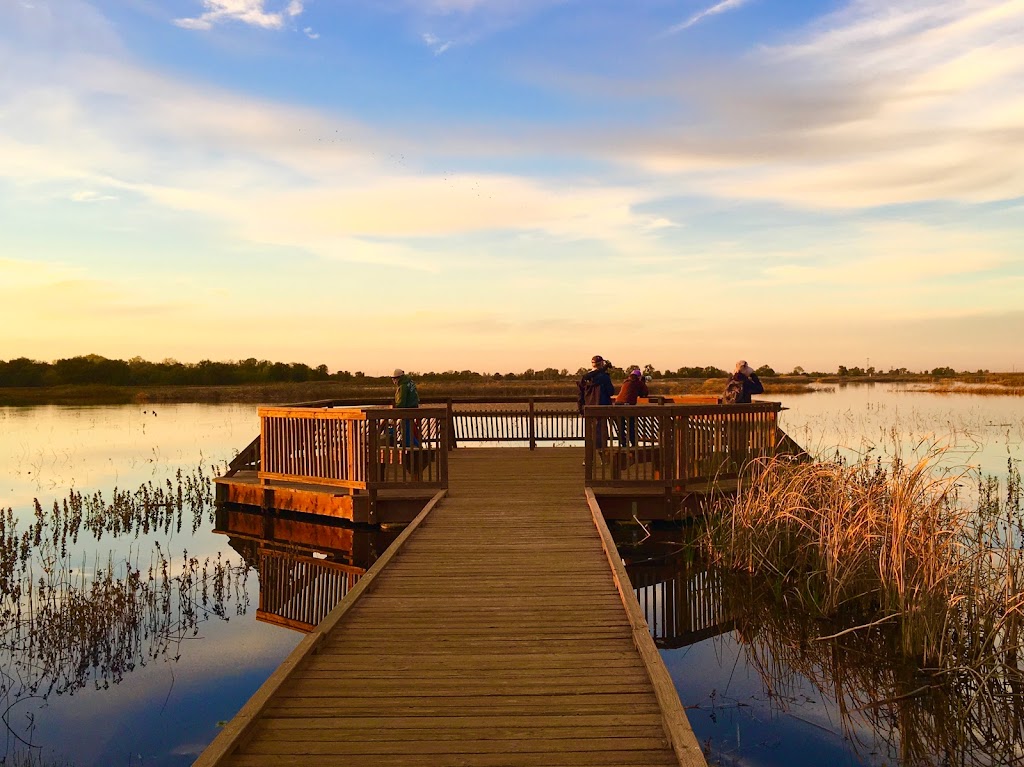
{"points": [[894, 585], [66, 623]]}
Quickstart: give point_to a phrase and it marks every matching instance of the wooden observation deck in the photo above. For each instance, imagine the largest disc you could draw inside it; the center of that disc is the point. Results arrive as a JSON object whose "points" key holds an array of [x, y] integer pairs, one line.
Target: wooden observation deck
{"points": [[378, 465], [500, 627]]}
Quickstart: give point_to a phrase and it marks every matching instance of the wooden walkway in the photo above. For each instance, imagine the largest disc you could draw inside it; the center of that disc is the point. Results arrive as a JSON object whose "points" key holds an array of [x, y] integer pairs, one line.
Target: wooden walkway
{"points": [[495, 632]]}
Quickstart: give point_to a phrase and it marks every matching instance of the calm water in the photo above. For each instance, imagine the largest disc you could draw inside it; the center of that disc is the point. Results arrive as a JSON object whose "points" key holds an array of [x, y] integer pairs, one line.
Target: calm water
{"points": [[155, 695]]}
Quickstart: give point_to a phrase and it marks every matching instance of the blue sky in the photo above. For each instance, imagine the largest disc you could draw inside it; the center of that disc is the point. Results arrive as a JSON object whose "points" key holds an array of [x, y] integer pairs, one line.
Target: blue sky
{"points": [[500, 185]]}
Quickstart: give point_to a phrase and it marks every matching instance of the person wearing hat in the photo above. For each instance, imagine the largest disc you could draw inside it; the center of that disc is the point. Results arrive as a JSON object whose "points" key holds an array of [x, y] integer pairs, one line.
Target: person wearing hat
{"points": [[596, 388], [405, 389], [632, 388], [406, 396], [743, 383]]}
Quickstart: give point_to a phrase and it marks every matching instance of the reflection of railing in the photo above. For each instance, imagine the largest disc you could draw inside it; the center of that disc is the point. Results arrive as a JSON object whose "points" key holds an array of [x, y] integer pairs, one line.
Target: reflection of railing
{"points": [[358, 448], [684, 603], [298, 591], [676, 445]]}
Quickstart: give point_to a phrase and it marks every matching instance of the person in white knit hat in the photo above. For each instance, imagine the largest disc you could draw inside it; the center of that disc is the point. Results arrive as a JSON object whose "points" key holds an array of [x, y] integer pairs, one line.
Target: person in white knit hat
{"points": [[406, 396], [742, 385]]}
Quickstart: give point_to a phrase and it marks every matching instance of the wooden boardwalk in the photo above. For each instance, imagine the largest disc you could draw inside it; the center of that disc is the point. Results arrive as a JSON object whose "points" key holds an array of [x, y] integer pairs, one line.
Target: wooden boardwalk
{"points": [[495, 632]]}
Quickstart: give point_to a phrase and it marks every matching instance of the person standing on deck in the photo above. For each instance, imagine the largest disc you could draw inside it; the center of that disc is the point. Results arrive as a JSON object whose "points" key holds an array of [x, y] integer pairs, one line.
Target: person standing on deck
{"points": [[632, 388], [406, 396], [742, 385], [596, 388]]}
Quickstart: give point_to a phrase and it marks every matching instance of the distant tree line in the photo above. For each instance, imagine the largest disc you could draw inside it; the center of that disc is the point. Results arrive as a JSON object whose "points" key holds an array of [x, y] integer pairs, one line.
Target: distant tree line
{"points": [[94, 369], [97, 370]]}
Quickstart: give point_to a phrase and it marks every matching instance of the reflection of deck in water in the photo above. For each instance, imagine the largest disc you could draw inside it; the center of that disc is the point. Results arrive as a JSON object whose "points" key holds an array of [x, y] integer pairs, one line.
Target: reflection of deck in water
{"points": [[373, 465], [684, 601], [500, 629], [305, 565]]}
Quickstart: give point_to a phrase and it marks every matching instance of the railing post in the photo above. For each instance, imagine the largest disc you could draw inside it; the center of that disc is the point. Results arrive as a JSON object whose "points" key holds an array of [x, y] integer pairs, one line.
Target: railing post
{"points": [[372, 456], [263, 445], [589, 437], [531, 428], [685, 448], [670, 456], [450, 443], [442, 452]]}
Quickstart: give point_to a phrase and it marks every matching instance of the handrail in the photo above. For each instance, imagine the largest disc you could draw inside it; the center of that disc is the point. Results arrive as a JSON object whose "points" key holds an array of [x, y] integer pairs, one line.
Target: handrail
{"points": [[364, 448], [481, 399], [676, 445], [249, 458]]}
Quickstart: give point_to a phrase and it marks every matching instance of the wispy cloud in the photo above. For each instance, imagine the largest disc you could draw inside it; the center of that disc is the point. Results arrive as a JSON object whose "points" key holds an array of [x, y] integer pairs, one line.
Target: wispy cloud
{"points": [[714, 10], [88, 195], [252, 12], [881, 103], [311, 34], [436, 44]]}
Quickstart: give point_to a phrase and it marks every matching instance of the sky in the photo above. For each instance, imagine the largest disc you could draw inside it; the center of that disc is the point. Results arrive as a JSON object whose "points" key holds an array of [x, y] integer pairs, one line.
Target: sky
{"points": [[507, 184]]}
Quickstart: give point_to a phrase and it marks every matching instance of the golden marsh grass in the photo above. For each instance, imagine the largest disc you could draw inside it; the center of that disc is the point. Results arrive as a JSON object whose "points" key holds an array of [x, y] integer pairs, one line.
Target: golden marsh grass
{"points": [[881, 544]]}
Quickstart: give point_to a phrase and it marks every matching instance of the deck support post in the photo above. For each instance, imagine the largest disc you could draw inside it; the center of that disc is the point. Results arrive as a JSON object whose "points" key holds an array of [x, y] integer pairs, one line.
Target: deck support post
{"points": [[531, 425], [450, 423]]}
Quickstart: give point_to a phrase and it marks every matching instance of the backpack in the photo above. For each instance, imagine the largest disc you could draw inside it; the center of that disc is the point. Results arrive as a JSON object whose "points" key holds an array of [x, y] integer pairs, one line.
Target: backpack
{"points": [[414, 396], [733, 392]]}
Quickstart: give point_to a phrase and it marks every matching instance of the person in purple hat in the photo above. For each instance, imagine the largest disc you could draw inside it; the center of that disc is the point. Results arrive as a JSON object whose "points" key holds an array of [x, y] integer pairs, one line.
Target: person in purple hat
{"points": [[632, 388]]}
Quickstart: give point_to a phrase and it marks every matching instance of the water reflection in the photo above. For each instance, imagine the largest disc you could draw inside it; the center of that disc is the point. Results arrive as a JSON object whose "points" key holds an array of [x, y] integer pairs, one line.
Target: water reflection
{"points": [[305, 566], [70, 622], [683, 600], [766, 684]]}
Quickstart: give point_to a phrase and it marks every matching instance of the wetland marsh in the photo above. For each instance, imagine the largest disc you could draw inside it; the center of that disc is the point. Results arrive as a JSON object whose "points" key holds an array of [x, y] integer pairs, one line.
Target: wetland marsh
{"points": [[130, 625]]}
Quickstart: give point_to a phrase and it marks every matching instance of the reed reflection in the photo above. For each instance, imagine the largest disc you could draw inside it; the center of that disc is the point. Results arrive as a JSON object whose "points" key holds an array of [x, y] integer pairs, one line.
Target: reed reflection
{"points": [[890, 705], [71, 621]]}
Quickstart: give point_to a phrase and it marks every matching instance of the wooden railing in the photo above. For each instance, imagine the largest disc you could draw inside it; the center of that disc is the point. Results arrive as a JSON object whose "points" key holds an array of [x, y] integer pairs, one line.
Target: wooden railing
{"points": [[357, 448], [676, 446], [530, 420], [247, 460]]}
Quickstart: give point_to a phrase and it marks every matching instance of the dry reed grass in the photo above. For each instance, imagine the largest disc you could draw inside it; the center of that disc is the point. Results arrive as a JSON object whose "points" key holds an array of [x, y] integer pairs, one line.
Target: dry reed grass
{"points": [[996, 390], [892, 543], [871, 561]]}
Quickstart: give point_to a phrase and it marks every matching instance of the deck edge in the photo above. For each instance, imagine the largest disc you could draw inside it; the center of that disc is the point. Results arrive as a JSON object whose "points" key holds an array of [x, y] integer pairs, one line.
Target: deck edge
{"points": [[677, 725], [233, 733]]}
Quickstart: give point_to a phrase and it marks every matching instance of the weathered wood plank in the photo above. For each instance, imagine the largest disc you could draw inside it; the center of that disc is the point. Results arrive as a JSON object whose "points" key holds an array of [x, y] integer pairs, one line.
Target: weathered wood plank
{"points": [[587, 759], [380, 726]]}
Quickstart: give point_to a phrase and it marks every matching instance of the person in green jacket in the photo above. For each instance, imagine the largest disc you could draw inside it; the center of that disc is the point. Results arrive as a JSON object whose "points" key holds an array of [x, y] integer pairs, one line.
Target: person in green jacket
{"points": [[406, 396]]}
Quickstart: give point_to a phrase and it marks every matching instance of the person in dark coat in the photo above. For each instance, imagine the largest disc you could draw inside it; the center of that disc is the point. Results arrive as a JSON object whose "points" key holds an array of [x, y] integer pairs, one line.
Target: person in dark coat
{"points": [[596, 388], [742, 385]]}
